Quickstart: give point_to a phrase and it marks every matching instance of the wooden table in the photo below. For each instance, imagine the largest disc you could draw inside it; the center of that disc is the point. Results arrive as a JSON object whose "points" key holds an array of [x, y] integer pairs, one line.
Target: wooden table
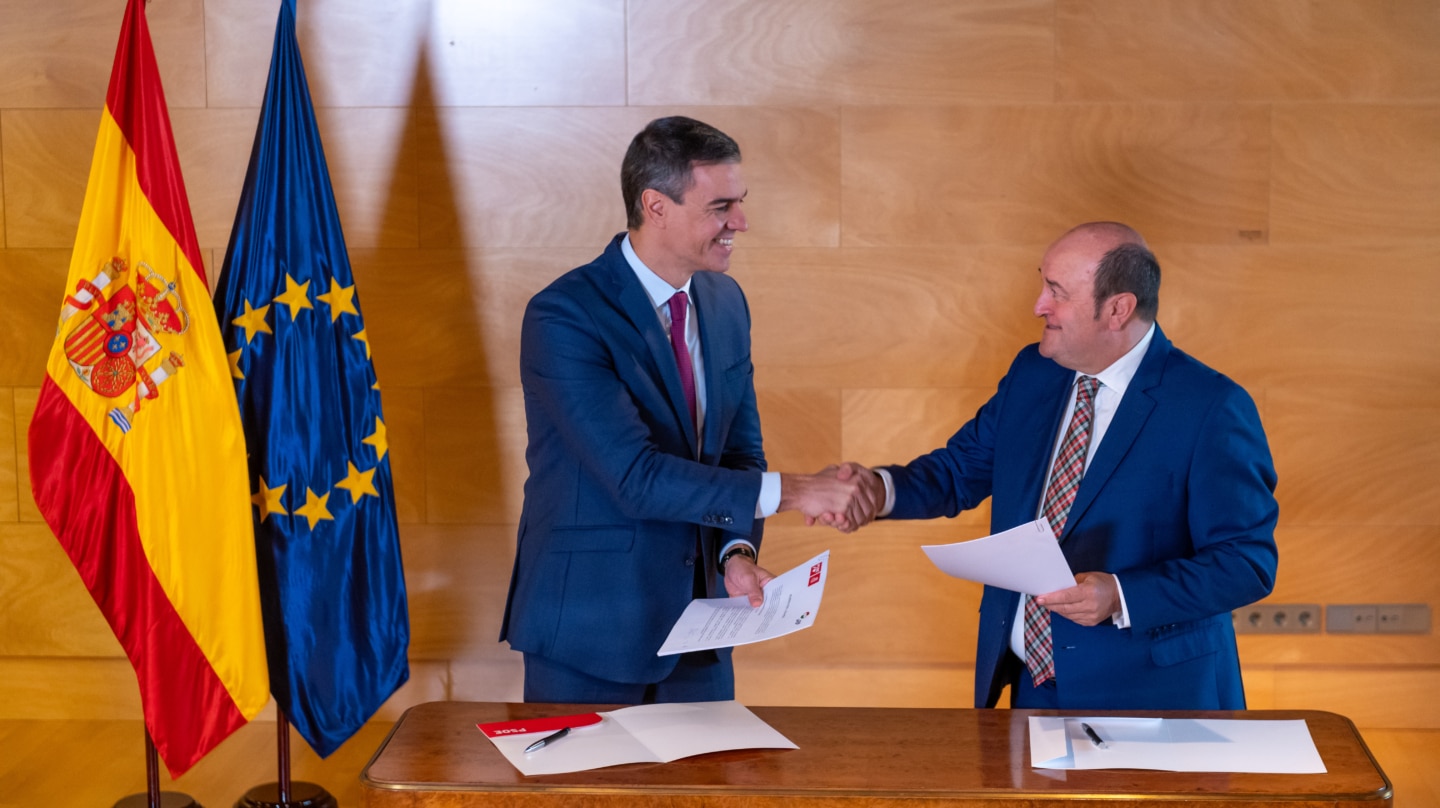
{"points": [[848, 758]]}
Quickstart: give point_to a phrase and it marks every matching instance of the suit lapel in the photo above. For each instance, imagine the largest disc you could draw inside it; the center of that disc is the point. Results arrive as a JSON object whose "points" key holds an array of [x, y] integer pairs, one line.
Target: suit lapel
{"points": [[635, 304], [1130, 417], [714, 393]]}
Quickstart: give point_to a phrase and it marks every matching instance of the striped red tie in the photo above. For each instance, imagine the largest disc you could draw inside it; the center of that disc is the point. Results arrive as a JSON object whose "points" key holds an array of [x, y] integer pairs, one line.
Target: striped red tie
{"points": [[1064, 481]]}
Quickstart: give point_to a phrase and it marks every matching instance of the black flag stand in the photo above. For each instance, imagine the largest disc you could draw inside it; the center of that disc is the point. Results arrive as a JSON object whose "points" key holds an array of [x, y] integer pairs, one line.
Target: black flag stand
{"points": [[153, 796], [284, 794]]}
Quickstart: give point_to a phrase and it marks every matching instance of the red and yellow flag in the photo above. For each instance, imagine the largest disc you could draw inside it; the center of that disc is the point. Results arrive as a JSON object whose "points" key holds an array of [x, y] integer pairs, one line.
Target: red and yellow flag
{"points": [[137, 457]]}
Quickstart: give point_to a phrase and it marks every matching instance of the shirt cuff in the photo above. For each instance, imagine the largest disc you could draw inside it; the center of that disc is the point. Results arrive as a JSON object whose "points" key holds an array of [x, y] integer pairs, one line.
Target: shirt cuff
{"points": [[1122, 617], [769, 501], [889, 493], [732, 543]]}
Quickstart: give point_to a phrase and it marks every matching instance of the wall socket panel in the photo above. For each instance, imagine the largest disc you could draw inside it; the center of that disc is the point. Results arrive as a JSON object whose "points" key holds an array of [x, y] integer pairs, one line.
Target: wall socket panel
{"points": [[1278, 618], [1378, 618]]}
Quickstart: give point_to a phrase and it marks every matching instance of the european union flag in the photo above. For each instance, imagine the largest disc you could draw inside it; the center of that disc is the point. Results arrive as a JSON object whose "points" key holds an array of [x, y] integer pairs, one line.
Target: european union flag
{"points": [[332, 585]]}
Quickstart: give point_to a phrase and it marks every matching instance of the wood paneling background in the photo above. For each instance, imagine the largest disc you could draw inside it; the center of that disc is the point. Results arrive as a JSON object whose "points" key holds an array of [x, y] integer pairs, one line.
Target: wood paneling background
{"points": [[908, 162]]}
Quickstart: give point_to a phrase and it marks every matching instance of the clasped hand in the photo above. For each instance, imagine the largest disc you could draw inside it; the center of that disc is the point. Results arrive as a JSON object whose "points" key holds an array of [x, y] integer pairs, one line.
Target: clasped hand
{"points": [[845, 497]]}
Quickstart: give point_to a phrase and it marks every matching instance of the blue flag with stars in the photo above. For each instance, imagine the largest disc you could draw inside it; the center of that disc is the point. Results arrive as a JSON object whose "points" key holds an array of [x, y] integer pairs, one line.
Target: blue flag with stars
{"points": [[331, 582]]}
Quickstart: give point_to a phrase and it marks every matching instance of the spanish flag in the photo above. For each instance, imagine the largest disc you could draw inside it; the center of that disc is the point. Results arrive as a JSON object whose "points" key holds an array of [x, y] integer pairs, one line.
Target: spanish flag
{"points": [[137, 456]]}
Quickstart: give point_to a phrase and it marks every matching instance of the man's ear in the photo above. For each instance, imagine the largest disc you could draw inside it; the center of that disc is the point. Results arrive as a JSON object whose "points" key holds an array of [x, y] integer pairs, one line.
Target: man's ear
{"points": [[655, 206], [1118, 310]]}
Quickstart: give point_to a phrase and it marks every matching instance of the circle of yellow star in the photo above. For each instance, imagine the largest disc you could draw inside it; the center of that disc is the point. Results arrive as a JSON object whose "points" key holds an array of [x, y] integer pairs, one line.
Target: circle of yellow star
{"points": [[253, 321], [378, 439], [296, 296], [315, 508], [340, 299], [267, 499], [359, 483]]}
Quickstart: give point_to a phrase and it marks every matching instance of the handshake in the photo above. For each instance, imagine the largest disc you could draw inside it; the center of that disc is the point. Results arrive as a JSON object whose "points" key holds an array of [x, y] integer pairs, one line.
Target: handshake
{"points": [[846, 497]]}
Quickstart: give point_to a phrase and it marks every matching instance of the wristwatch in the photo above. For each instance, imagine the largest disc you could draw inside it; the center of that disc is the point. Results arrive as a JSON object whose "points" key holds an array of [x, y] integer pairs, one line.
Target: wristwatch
{"points": [[739, 549]]}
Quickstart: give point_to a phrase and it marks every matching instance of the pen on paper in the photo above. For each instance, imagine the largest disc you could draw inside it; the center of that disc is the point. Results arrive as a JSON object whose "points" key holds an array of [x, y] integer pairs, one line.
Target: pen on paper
{"points": [[547, 740], [1089, 730]]}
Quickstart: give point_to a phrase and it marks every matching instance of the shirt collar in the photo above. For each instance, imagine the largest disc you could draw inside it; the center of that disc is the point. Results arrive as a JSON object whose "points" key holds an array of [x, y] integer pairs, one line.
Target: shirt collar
{"points": [[1117, 377], [656, 287]]}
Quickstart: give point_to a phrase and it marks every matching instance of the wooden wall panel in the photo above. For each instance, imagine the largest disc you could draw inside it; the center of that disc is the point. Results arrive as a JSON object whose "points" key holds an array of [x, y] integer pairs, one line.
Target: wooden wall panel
{"points": [[58, 53], [498, 679], [549, 177], [25, 398], [475, 455], [850, 52], [9, 481], [900, 317], [46, 155], [797, 683], [451, 318], [885, 603], [46, 611], [1363, 174], [68, 687], [456, 53], [1352, 456], [405, 428], [802, 428], [1026, 174], [1408, 700], [456, 579], [1358, 563], [893, 427], [1222, 50], [1288, 315], [32, 280]]}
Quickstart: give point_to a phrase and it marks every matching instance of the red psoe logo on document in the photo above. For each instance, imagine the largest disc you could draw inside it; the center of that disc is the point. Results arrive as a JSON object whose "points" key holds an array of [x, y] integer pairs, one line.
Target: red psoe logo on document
{"points": [[815, 573]]}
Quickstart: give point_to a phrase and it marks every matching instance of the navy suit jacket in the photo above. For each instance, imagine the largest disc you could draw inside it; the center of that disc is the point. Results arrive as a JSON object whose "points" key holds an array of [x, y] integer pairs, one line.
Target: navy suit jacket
{"points": [[1177, 502], [618, 500]]}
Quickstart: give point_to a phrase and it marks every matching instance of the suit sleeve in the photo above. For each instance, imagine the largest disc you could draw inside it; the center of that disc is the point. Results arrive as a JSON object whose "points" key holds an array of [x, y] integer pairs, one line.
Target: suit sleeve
{"points": [[1230, 514], [600, 401]]}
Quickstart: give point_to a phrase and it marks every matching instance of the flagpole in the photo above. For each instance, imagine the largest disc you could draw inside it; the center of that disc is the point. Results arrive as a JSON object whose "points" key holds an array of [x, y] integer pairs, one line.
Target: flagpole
{"points": [[284, 793], [153, 796]]}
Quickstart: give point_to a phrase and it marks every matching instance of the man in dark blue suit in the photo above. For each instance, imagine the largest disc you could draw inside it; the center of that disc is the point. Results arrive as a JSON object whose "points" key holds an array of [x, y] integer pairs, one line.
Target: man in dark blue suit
{"points": [[647, 475], [1170, 527]]}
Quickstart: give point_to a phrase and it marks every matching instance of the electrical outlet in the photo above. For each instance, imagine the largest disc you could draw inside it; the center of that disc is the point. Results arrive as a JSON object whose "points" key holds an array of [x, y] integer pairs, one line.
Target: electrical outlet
{"points": [[1351, 618], [1277, 618], [1402, 618]]}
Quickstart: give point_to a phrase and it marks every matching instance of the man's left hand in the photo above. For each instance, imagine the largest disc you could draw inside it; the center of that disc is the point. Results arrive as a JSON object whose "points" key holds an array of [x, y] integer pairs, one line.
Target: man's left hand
{"points": [[745, 577], [1092, 600]]}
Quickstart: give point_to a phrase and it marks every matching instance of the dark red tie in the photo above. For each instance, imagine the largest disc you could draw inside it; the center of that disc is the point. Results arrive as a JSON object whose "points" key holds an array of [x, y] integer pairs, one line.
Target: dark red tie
{"points": [[1059, 496], [678, 304]]}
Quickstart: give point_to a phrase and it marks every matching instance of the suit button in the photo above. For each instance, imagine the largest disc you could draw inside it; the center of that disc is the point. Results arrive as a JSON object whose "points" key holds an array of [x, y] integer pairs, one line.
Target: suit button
{"points": [[689, 562]]}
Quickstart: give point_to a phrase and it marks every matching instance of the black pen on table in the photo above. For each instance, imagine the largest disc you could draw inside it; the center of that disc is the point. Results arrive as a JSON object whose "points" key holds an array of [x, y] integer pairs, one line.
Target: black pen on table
{"points": [[543, 742], [1094, 736]]}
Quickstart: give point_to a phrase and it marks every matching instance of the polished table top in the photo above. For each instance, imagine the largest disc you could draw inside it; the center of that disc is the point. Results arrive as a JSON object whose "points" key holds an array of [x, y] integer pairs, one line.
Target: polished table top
{"points": [[950, 756]]}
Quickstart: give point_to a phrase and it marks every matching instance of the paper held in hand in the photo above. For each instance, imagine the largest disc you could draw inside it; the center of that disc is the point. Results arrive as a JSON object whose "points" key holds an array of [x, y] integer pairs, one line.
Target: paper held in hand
{"points": [[650, 733], [1024, 559], [791, 602]]}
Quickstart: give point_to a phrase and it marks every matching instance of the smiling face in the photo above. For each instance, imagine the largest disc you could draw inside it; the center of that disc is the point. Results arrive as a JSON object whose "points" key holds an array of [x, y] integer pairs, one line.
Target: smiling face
{"points": [[696, 233], [1074, 336]]}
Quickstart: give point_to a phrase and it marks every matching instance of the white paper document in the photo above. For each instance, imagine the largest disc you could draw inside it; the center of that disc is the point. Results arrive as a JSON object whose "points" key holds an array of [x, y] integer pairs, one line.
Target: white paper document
{"points": [[650, 733], [1024, 559], [791, 602], [1175, 744]]}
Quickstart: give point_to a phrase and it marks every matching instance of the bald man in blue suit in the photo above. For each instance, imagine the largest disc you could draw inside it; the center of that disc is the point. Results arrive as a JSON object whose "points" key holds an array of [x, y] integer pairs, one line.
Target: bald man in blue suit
{"points": [[1172, 525], [648, 480]]}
